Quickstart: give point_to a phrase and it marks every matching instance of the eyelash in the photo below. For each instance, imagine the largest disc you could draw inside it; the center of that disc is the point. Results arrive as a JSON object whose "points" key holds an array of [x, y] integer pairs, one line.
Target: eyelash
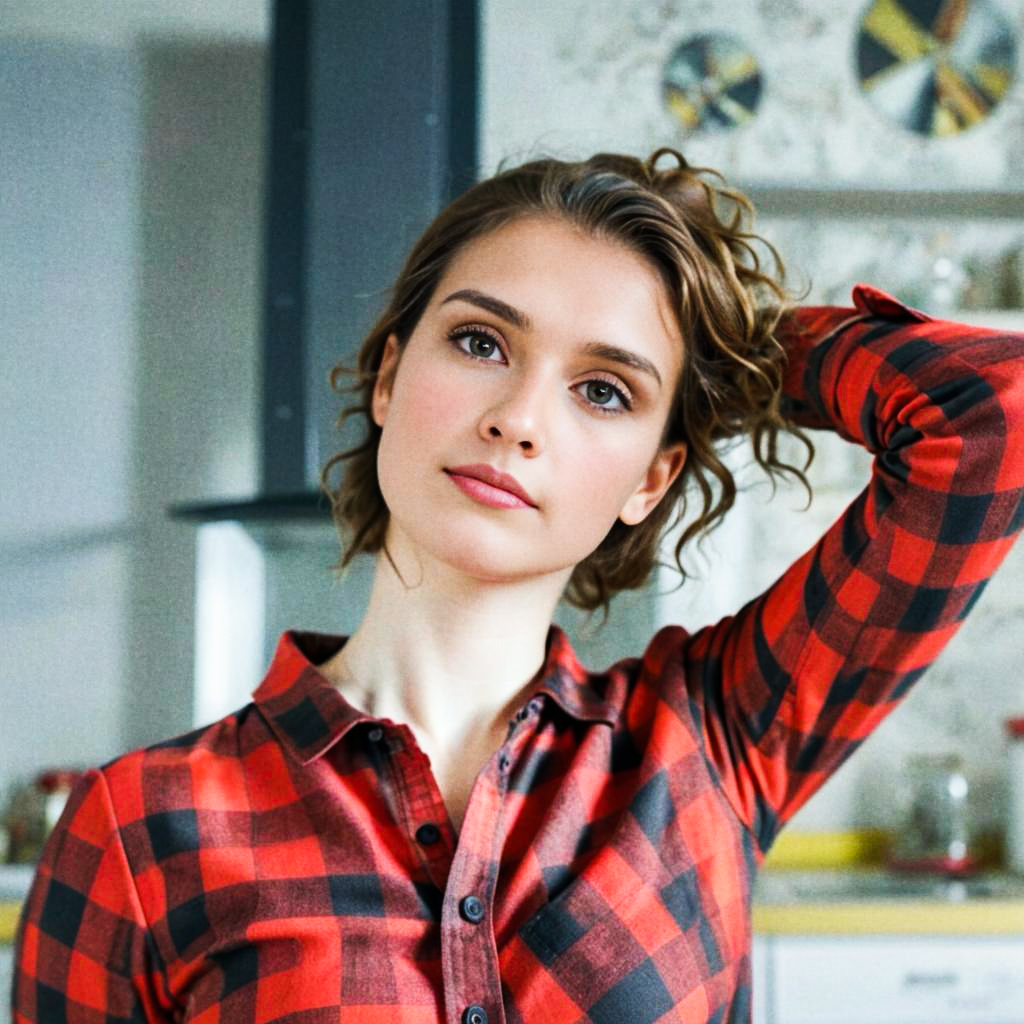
{"points": [[473, 330]]}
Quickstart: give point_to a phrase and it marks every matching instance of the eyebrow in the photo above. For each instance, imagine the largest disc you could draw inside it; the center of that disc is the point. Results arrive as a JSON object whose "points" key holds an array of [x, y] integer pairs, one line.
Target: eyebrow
{"points": [[516, 317]]}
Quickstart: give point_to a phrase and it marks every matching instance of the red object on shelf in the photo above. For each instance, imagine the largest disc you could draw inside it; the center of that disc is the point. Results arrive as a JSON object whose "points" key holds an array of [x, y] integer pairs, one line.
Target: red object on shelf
{"points": [[57, 779], [1015, 727], [948, 867]]}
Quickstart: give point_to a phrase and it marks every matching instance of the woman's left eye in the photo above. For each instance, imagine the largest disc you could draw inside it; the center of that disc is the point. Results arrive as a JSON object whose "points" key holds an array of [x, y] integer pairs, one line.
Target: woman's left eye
{"points": [[605, 396]]}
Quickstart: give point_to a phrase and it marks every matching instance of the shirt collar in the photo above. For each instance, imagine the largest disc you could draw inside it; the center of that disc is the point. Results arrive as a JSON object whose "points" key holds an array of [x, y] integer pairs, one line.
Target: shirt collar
{"points": [[308, 714], [578, 692]]}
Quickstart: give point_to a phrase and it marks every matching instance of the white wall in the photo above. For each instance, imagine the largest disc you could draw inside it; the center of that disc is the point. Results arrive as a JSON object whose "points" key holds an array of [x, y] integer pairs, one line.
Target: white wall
{"points": [[130, 213], [69, 179], [198, 339]]}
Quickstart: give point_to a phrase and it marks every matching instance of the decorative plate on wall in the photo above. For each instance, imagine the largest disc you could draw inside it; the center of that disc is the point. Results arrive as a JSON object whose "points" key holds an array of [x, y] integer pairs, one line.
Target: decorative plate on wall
{"points": [[936, 67], [711, 81]]}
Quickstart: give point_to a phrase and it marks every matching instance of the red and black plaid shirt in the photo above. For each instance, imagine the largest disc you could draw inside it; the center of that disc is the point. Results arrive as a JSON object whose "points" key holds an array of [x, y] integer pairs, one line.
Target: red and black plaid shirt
{"points": [[294, 861]]}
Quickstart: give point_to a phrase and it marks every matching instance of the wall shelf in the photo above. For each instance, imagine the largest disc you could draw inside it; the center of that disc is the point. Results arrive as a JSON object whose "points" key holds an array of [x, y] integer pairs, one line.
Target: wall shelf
{"points": [[839, 202]]}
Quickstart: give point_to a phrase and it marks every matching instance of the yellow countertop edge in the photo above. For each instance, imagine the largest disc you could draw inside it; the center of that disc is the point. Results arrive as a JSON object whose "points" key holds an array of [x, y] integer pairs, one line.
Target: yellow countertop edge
{"points": [[890, 918], [839, 918], [8, 922], [798, 850]]}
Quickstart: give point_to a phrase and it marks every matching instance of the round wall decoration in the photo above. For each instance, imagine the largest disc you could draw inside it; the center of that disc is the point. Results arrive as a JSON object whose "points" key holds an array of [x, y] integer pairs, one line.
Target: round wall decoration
{"points": [[712, 82], [936, 67]]}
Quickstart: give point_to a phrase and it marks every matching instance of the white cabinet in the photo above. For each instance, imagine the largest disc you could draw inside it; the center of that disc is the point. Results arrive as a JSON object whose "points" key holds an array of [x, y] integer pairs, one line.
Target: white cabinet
{"points": [[6, 977], [889, 979], [759, 970]]}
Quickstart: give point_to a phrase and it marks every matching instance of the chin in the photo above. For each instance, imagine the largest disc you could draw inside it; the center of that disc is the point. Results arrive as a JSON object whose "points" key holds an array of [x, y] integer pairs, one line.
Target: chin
{"points": [[491, 547], [489, 562], [486, 559]]}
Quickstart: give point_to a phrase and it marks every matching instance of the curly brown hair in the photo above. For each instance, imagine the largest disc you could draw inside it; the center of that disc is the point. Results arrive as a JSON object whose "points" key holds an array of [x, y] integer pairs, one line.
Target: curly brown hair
{"points": [[697, 235]]}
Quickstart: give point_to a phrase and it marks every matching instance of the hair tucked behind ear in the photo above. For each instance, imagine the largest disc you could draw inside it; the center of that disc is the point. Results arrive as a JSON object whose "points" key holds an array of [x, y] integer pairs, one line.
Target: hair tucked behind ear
{"points": [[697, 234]]}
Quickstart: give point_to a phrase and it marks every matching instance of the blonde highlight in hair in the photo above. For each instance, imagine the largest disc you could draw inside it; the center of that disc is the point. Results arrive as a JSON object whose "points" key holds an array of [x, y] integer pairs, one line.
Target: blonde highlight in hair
{"points": [[697, 234]]}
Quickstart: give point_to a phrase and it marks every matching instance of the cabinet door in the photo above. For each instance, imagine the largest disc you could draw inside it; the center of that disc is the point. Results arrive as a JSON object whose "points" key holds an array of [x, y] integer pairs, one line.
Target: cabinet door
{"points": [[6, 978], [759, 969], [898, 980]]}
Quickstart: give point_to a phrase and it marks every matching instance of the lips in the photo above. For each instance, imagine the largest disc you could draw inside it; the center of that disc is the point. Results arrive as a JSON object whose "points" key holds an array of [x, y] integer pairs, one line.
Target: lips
{"points": [[494, 478]]}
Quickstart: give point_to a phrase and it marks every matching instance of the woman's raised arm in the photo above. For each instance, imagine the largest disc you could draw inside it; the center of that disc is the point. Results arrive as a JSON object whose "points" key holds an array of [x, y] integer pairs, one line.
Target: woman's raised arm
{"points": [[787, 688]]}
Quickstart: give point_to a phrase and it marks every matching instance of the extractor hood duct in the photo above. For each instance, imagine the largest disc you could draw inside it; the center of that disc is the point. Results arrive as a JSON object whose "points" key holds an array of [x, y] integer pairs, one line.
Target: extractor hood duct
{"points": [[373, 129]]}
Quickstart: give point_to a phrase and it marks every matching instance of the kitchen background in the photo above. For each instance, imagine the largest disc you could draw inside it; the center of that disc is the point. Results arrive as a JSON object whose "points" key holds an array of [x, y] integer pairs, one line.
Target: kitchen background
{"points": [[132, 137]]}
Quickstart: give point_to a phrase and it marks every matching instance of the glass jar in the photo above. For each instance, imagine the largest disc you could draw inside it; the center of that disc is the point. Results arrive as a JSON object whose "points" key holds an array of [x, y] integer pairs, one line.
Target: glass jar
{"points": [[1015, 790], [935, 834], [33, 811]]}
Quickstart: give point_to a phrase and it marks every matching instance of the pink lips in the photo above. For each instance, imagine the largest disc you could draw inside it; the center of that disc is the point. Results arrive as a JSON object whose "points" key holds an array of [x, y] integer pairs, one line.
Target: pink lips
{"points": [[490, 486]]}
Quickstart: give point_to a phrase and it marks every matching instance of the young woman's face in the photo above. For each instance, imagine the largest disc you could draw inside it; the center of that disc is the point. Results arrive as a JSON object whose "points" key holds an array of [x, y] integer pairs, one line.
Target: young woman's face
{"points": [[544, 354]]}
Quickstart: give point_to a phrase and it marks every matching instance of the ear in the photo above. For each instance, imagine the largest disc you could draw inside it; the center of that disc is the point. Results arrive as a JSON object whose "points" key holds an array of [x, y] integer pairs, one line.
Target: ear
{"points": [[667, 465], [385, 380]]}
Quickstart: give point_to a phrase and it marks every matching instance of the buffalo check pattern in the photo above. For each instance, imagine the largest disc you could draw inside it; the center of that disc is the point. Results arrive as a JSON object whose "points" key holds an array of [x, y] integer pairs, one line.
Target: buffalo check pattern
{"points": [[294, 861]]}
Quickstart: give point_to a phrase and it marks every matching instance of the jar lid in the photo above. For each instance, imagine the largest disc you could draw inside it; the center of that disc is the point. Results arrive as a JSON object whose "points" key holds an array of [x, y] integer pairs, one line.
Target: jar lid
{"points": [[1015, 727]]}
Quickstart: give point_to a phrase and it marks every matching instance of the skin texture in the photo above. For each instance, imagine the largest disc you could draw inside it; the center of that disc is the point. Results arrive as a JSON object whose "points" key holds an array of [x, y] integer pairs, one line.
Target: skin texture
{"points": [[450, 644]]}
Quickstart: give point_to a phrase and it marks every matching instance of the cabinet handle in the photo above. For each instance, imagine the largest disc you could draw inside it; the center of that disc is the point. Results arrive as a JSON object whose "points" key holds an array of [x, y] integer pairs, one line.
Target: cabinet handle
{"points": [[919, 979]]}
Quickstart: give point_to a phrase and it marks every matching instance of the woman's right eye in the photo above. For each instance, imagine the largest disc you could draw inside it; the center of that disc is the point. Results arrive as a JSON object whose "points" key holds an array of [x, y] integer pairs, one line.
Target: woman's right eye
{"points": [[477, 343]]}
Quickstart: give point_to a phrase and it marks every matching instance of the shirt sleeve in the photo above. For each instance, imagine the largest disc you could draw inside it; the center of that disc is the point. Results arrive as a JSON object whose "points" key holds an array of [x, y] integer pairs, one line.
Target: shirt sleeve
{"points": [[788, 688], [82, 952]]}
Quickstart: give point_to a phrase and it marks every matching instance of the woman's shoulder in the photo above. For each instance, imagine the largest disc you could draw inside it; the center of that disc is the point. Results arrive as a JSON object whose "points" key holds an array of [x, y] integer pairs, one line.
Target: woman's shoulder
{"points": [[187, 770], [632, 680]]}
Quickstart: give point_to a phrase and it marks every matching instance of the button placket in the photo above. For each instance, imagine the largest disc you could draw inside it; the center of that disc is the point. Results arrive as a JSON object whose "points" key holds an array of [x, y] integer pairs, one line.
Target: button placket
{"points": [[515, 739], [530, 710], [469, 955], [421, 808]]}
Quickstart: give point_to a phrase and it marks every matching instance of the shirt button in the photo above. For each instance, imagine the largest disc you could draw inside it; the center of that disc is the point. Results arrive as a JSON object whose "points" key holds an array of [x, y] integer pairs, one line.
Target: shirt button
{"points": [[473, 911], [376, 734], [474, 1015], [536, 704], [428, 835], [503, 763]]}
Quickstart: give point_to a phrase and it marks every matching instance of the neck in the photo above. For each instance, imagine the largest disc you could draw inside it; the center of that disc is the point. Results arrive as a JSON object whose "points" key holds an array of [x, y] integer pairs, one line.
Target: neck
{"points": [[447, 655]]}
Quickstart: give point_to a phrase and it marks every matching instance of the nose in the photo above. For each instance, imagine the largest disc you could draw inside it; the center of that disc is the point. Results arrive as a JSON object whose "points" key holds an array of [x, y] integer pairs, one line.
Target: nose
{"points": [[515, 417]]}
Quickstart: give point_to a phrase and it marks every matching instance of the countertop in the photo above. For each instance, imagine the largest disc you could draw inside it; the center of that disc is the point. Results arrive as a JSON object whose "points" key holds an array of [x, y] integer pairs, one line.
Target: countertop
{"points": [[8, 922], [874, 901], [14, 882], [855, 901]]}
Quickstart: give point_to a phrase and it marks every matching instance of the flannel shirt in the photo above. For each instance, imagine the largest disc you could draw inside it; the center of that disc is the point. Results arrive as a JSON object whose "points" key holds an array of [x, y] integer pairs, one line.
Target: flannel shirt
{"points": [[294, 861]]}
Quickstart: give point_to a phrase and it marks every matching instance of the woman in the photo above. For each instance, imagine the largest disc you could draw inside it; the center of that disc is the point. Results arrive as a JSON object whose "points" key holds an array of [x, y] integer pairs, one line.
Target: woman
{"points": [[446, 817]]}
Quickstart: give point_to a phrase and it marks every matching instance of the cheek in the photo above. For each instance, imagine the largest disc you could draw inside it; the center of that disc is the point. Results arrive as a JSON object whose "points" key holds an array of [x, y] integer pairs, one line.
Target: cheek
{"points": [[425, 398], [604, 476], [422, 406]]}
